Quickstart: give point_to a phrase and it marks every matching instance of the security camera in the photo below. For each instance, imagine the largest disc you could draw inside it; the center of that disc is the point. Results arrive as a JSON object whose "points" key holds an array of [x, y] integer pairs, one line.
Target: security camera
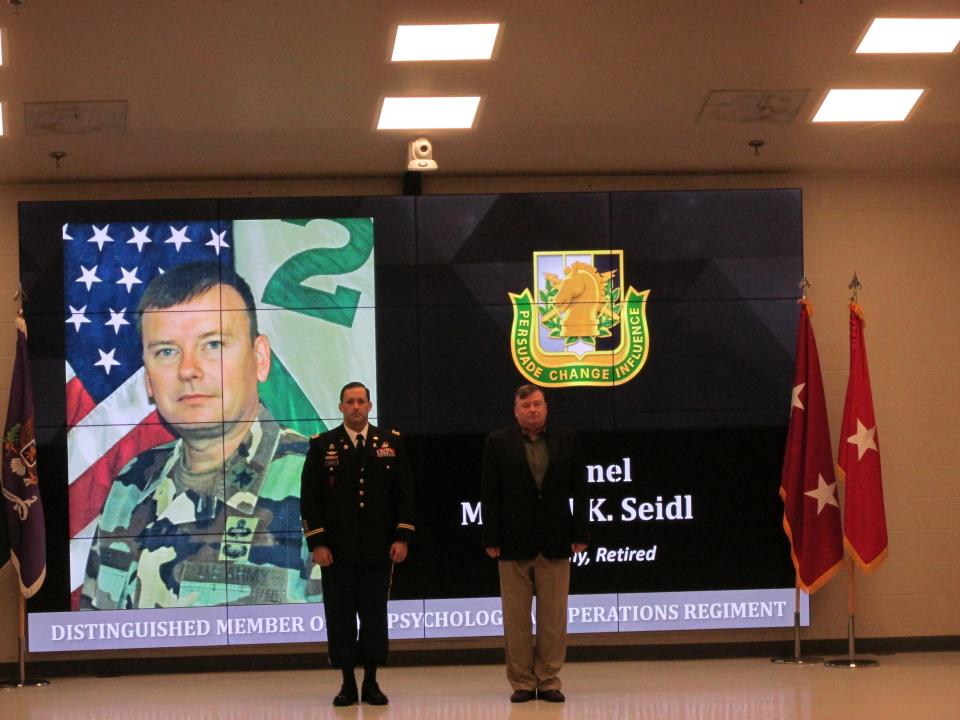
{"points": [[420, 156]]}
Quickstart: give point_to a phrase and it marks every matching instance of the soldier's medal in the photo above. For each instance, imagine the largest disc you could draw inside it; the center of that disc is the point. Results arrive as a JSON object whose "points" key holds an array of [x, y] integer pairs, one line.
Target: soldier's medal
{"points": [[235, 551], [242, 529], [237, 538], [331, 459]]}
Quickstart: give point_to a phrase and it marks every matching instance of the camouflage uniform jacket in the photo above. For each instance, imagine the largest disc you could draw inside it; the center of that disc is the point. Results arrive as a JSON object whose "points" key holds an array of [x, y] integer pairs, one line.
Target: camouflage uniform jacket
{"points": [[160, 545]]}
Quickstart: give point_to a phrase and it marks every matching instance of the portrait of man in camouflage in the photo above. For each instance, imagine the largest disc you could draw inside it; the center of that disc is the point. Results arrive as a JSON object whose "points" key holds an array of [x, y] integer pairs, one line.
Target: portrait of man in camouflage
{"points": [[213, 517]]}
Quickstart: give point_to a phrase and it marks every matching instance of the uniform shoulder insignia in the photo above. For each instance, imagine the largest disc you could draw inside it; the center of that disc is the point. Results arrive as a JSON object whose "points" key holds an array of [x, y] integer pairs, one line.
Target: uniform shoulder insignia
{"points": [[395, 432]]}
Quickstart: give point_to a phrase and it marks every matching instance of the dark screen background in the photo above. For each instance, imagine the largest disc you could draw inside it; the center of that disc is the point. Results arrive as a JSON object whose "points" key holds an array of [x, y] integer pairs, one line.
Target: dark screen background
{"points": [[705, 417]]}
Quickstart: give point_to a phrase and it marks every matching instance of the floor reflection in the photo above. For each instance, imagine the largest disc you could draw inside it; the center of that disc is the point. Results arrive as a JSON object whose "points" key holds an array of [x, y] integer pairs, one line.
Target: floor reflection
{"points": [[749, 689]]}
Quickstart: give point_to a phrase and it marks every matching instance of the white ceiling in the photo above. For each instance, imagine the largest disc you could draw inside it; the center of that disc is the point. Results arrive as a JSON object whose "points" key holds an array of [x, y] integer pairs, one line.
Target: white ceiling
{"points": [[290, 88]]}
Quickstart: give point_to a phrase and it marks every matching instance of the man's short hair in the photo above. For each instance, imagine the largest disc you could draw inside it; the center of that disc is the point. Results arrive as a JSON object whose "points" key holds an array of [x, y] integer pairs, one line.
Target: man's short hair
{"points": [[351, 386], [183, 283], [525, 391]]}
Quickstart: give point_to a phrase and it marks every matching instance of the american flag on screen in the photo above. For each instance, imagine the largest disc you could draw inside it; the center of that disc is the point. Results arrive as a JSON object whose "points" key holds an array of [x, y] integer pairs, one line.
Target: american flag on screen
{"points": [[110, 420]]}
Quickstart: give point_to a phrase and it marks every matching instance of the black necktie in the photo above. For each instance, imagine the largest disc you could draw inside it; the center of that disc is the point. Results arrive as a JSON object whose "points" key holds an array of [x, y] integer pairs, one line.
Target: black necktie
{"points": [[359, 441]]}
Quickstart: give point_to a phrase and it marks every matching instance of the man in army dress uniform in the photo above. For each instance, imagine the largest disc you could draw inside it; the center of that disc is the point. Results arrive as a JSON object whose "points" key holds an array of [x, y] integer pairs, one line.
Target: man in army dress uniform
{"points": [[357, 504], [213, 517]]}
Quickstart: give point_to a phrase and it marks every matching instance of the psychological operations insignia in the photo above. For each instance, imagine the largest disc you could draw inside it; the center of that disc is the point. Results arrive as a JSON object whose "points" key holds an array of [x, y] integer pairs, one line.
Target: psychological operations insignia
{"points": [[584, 328]]}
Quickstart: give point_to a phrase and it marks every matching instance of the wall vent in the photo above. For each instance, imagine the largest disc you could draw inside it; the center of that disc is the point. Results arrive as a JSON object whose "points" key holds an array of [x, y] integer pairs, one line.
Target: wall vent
{"points": [[752, 106], [76, 118]]}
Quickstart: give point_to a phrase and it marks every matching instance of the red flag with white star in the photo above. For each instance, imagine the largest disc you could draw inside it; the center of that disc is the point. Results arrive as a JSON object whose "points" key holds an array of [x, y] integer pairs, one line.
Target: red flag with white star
{"points": [[811, 511], [864, 520]]}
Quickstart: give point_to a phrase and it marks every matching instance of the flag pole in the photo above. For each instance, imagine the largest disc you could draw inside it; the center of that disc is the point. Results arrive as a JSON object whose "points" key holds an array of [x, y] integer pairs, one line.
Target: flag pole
{"points": [[797, 658], [22, 680], [851, 609], [851, 661]]}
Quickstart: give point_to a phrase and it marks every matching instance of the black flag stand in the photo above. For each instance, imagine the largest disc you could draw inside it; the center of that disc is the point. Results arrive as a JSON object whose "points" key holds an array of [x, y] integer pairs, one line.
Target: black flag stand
{"points": [[23, 681]]}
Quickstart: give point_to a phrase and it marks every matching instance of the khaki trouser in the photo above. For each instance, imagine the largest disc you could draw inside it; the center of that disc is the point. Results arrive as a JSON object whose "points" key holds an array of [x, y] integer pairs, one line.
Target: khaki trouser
{"points": [[530, 668]]}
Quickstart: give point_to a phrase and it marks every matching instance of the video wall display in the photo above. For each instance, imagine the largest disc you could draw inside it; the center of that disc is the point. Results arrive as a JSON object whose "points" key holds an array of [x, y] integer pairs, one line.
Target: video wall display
{"points": [[184, 351]]}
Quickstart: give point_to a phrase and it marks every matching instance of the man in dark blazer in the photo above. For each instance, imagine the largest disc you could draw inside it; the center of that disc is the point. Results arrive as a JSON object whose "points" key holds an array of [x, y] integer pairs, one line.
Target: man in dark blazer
{"points": [[356, 501], [530, 473]]}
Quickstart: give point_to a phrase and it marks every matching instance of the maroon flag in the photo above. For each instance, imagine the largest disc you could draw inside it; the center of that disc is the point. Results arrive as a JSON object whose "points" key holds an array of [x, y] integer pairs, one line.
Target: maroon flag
{"points": [[864, 520], [811, 512], [21, 492]]}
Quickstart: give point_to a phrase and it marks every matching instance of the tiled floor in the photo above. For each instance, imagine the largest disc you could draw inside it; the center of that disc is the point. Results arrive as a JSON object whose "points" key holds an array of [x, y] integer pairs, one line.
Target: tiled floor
{"points": [[902, 686]]}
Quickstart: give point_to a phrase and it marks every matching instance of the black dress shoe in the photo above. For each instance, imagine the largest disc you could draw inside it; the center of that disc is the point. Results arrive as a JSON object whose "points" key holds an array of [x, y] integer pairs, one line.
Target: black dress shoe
{"points": [[347, 695], [371, 694], [550, 695], [519, 696]]}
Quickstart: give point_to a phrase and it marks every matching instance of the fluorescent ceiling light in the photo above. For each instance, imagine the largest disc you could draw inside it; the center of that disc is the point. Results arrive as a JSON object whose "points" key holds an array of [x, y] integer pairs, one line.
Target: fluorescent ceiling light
{"points": [[911, 35], [427, 113], [445, 42], [867, 105]]}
